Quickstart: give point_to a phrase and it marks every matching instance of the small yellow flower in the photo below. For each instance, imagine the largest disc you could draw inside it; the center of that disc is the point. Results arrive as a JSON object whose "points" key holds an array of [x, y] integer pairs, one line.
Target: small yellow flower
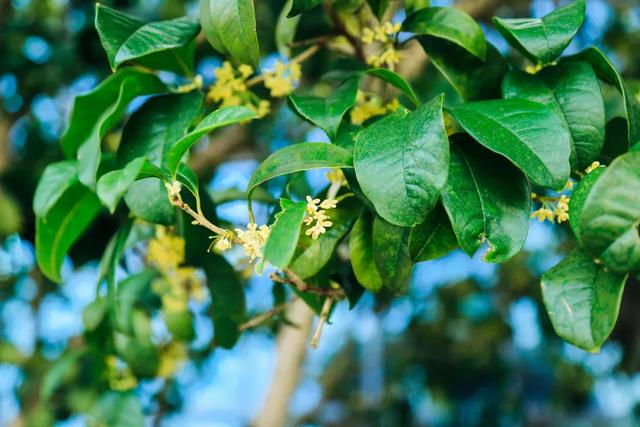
{"points": [[368, 36], [223, 244], [371, 105], [592, 167], [283, 79], [335, 176], [316, 213], [253, 239], [119, 374], [171, 359], [165, 251]]}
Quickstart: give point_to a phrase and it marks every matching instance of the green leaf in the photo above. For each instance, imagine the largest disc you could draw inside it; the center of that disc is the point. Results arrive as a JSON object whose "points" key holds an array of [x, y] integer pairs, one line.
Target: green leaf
{"points": [[401, 162], [361, 253], [301, 6], [487, 200], [228, 307], [391, 254], [286, 30], [543, 39], [300, 157], [284, 235], [379, 7], [64, 223], [54, 182], [450, 24], [327, 112], [579, 197], [129, 293], [179, 324], [97, 111], [433, 238], [94, 313], [414, 5], [472, 78], [230, 27], [315, 254], [112, 185], [529, 134], [607, 72], [222, 117], [61, 372], [394, 79], [161, 45], [187, 177], [573, 92], [616, 141], [611, 215], [151, 132], [583, 300], [121, 409]]}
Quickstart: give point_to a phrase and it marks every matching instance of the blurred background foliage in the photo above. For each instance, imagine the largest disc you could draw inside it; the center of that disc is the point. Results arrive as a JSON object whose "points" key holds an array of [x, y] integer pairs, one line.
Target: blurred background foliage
{"points": [[468, 345]]}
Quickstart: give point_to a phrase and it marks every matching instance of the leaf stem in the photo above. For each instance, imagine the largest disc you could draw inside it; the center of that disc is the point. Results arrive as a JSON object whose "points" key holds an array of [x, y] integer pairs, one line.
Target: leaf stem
{"points": [[342, 29], [293, 279], [324, 315]]}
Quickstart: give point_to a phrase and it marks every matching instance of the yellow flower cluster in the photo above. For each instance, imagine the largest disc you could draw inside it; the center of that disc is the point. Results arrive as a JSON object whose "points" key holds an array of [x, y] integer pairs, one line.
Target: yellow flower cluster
{"points": [[371, 105], [195, 84], [592, 167], [316, 213], [171, 358], [230, 89], [385, 35], [253, 239], [553, 208], [177, 284], [119, 375], [282, 80]]}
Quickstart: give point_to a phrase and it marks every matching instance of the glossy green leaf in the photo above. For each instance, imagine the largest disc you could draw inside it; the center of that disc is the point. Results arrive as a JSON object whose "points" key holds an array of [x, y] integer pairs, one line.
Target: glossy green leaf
{"points": [[361, 253], [301, 6], [112, 185], [56, 179], [528, 133], [313, 255], [573, 91], [327, 112], [544, 39], [286, 30], [161, 45], [230, 27], [300, 157], [579, 197], [401, 162], [284, 234], [179, 324], [607, 72], [394, 79], [97, 111], [609, 223], [391, 254], [450, 24], [151, 132], [583, 300], [472, 78], [64, 223], [222, 117], [433, 238], [487, 200]]}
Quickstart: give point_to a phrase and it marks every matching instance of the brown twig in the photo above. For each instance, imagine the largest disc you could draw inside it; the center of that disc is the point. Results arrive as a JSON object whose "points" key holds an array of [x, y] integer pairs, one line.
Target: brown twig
{"points": [[200, 219], [342, 29], [253, 322], [293, 279]]}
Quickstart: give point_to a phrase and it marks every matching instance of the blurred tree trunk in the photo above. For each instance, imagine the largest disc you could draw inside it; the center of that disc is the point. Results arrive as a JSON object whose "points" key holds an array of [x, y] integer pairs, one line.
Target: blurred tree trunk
{"points": [[291, 349]]}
